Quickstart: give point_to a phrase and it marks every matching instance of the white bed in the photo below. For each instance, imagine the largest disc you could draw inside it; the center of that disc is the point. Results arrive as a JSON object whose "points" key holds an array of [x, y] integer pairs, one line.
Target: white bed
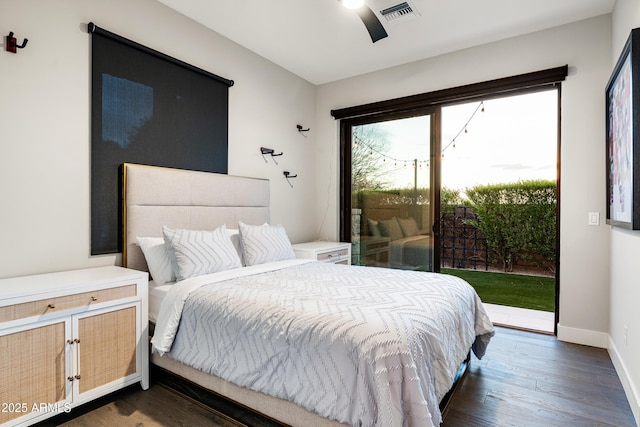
{"points": [[156, 295], [391, 383]]}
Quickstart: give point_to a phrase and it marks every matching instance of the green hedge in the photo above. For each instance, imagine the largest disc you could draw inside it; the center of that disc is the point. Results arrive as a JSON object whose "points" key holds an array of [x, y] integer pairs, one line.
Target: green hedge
{"points": [[392, 197], [518, 220]]}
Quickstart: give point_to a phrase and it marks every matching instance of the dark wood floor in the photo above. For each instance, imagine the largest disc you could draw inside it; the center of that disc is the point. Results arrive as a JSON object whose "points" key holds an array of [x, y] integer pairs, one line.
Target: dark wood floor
{"points": [[132, 407], [525, 379], [529, 379]]}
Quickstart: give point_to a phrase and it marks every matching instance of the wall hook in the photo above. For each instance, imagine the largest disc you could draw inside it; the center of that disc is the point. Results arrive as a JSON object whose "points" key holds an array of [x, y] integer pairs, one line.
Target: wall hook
{"points": [[302, 130], [12, 44], [288, 175], [271, 151]]}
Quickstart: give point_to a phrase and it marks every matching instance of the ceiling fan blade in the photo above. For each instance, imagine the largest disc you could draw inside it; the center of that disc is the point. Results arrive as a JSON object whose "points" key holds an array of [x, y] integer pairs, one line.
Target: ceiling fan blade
{"points": [[373, 24]]}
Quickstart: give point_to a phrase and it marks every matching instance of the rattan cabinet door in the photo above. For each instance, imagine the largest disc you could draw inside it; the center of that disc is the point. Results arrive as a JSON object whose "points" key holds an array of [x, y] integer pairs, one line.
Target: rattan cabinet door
{"points": [[33, 366], [106, 347]]}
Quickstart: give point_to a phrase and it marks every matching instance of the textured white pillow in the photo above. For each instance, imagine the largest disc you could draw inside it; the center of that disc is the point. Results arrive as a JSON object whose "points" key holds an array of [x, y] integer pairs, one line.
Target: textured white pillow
{"points": [[264, 243], [157, 257], [234, 235], [195, 252]]}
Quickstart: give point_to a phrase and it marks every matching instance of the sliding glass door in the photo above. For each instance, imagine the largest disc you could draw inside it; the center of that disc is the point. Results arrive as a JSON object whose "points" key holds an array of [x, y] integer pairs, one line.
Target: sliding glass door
{"points": [[392, 183]]}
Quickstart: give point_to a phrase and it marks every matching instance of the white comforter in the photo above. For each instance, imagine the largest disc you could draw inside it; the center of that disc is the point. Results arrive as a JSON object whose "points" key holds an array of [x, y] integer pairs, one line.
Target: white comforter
{"points": [[364, 346]]}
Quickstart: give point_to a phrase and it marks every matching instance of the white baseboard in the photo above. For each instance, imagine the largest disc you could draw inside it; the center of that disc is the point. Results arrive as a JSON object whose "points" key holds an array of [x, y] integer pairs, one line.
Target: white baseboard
{"points": [[583, 336], [630, 388]]}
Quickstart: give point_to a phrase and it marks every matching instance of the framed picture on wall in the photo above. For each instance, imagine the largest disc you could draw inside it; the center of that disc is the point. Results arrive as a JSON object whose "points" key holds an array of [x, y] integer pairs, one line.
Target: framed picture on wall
{"points": [[623, 137]]}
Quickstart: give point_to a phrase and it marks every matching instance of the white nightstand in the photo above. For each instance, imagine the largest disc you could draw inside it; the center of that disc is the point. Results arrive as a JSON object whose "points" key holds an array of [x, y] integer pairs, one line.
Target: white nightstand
{"points": [[334, 252]]}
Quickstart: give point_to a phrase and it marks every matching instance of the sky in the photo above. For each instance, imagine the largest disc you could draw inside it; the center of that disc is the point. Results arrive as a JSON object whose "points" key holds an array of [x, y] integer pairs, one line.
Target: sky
{"points": [[514, 139]]}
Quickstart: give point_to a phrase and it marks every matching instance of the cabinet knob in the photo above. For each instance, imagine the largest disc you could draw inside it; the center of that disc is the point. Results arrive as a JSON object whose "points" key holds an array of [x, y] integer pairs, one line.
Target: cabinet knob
{"points": [[77, 340], [77, 377], [94, 299], [70, 379], [69, 341], [51, 305]]}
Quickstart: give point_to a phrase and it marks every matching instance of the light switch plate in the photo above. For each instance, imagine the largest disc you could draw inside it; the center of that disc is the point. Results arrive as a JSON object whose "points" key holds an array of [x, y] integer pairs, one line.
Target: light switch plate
{"points": [[594, 218]]}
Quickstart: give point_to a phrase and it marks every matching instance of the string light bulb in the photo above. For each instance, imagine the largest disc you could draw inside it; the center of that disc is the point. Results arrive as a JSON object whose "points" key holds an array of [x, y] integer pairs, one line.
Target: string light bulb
{"points": [[464, 128], [373, 152]]}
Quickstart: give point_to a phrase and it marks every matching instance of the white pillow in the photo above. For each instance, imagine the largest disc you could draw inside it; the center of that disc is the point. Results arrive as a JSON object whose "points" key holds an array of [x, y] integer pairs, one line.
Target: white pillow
{"points": [[157, 257], [195, 252], [409, 227], [374, 229], [390, 228], [234, 235], [264, 243]]}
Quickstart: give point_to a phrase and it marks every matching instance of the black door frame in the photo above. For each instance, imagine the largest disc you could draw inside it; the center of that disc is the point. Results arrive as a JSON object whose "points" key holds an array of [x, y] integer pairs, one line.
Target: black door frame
{"points": [[433, 101], [346, 126]]}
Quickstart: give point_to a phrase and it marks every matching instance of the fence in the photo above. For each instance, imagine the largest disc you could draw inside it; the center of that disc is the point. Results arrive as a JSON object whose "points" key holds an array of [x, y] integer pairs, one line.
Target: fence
{"points": [[462, 245]]}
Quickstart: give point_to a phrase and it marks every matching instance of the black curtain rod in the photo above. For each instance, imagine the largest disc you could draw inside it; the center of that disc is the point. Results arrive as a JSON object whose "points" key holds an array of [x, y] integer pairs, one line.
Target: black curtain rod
{"points": [[93, 28], [466, 92]]}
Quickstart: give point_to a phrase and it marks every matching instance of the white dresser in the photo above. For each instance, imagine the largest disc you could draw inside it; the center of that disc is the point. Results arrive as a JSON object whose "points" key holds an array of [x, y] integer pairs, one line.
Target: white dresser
{"points": [[335, 252], [67, 338]]}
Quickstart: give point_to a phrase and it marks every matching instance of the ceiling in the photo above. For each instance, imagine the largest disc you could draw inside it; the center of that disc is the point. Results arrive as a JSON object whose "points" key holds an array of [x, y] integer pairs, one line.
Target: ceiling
{"points": [[322, 41]]}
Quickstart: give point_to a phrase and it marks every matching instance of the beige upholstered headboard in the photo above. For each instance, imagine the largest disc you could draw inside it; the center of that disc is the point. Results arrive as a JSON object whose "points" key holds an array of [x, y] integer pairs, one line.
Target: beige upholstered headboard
{"points": [[155, 196]]}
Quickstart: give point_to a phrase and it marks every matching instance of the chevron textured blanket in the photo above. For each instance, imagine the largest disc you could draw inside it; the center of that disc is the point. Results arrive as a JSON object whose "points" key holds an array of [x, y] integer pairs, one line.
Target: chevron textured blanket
{"points": [[364, 346]]}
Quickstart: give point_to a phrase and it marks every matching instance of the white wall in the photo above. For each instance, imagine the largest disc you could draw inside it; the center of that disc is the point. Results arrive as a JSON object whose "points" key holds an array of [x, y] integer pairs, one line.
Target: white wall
{"points": [[625, 253], [45, 124], [586, 48]]}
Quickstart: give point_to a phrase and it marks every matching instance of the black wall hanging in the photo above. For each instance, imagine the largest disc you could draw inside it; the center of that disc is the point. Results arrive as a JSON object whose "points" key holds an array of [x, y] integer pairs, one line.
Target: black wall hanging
{"points": [[148, 108]]}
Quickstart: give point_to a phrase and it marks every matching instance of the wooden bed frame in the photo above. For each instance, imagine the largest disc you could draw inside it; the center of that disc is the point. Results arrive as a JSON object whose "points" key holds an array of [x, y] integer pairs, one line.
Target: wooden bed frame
{"points": [[153, 197]]}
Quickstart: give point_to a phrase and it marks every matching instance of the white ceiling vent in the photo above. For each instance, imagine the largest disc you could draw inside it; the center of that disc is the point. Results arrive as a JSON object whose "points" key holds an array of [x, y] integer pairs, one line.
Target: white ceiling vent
{"points": [[399, 12]]}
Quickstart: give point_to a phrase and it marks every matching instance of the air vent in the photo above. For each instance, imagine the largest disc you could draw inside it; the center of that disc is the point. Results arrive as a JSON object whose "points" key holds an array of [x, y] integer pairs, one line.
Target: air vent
{"points": [[399, 11]]}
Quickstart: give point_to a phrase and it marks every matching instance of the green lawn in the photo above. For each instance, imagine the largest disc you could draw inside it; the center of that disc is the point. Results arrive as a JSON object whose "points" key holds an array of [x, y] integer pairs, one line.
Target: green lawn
{"points": [[515, 290]]}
